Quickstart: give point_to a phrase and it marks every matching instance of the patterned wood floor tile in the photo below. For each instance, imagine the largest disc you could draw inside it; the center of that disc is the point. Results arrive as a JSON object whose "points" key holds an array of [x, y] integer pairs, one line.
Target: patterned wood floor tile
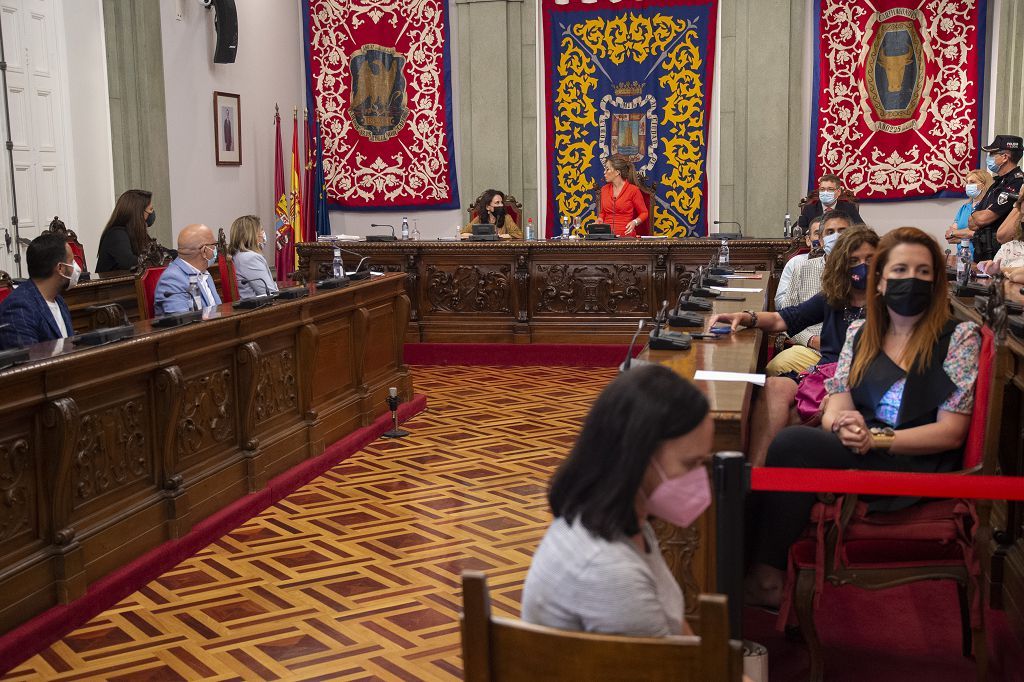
{"points": [[356, 575]]}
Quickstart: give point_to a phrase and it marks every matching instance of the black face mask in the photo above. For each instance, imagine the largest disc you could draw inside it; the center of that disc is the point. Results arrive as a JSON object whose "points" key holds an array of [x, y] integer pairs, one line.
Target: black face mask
{"points": [[499, 213], [909, 296], [151, 218]]}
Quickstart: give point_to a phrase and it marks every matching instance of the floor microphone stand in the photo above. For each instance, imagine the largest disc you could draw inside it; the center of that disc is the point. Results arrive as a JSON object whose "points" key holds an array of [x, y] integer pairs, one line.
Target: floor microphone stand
{"points": [[393, 401]]}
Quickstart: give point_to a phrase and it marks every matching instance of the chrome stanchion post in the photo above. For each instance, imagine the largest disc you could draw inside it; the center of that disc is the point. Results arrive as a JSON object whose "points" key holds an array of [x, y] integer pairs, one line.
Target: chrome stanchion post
{"points": [[393, 401]]}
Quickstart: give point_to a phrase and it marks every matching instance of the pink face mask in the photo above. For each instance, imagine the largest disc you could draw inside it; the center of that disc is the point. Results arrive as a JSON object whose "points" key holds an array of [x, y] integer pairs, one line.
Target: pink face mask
{"points": [[682, 499]]}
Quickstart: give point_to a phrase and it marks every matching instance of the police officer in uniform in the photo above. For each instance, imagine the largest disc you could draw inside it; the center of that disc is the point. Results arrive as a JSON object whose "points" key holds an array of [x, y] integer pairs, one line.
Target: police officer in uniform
{"points": [[1003, 155]]}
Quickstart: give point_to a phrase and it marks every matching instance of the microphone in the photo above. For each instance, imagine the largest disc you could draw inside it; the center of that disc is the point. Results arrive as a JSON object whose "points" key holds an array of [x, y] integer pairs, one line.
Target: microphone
{"points": [[678, 318], [356, 274], [254, 302], [700, 289], [662, 314], [630, 361], [668, 340], [686, 303], [730, 235], [382, 237], [251, 280]]}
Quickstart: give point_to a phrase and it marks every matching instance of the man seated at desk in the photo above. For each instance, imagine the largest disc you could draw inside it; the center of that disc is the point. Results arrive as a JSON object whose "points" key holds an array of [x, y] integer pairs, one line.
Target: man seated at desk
{"points": [[186, 283], [36, 311]]}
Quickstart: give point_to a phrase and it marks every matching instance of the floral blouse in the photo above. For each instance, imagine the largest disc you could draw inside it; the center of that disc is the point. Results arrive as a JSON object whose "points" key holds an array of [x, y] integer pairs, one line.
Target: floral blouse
{"points": [[1011, 254], [961, 367]]}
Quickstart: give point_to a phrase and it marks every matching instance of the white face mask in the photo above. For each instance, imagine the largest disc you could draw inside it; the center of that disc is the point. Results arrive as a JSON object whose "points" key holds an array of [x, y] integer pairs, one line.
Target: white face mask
{"points": [[830, 241], [76, 272], [261, 242], [972, 190], [827, 196]]}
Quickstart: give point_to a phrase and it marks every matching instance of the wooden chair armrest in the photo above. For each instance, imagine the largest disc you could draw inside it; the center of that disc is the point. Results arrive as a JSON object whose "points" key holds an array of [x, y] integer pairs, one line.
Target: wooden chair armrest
{"points": [[107, 315]]}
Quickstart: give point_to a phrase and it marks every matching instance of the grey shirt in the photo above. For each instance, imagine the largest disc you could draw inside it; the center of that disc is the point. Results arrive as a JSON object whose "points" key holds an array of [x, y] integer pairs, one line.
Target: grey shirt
{"points": [[579, 581], [253, 274]]}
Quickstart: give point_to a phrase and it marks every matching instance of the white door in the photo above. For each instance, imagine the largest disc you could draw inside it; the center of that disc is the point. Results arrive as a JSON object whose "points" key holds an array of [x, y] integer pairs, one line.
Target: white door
{"points": [[35, 98]]}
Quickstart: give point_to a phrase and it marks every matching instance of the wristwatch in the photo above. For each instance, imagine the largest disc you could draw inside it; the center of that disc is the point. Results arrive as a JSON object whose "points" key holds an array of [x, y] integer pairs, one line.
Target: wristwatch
{"points": [[882, 438]]}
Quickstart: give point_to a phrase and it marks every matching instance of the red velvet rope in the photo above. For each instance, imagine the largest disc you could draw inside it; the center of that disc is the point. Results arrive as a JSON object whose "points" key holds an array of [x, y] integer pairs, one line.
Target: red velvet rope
{"points": [[887, 483]]}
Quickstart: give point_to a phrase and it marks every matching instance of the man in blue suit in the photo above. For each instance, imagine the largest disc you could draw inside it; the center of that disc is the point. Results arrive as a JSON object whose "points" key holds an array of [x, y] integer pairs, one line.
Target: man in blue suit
{"points": [[36, 311], [186, 283]]}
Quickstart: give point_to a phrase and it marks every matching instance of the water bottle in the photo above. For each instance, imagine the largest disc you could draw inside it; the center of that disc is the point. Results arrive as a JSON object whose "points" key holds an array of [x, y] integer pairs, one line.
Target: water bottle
{"points": [[531, 235], [405, 229], [565, 227], [458, 232], [723, 253], [193, 291], [415, 229], [338, 267], [963, 264], [787, 227]]}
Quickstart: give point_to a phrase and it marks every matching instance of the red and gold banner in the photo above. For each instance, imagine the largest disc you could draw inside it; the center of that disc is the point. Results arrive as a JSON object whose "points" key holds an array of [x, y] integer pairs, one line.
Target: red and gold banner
{"points": [[380, 84], [898, 95]]}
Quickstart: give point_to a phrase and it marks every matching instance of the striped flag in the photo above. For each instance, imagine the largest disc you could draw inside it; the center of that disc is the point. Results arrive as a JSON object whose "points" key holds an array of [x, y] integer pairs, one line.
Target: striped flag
{"points": [[295, 195], [284, 253], [308, 191], [323, 218]]}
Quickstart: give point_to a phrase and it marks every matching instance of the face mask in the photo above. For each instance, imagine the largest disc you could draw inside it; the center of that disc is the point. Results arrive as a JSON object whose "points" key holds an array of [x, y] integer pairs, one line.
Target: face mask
{"points": [[76, 272], [972, 190], [498, 211], [909, 296], [815, 244], [213, 258], [682, 499], [151, 218], [992, 165], [827, 196], [859, 276], [262, 241], [830, 241]]}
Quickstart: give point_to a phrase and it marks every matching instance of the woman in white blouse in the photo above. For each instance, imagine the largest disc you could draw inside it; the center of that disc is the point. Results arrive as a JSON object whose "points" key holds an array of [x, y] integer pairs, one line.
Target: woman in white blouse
{"points": [[246, 248]]}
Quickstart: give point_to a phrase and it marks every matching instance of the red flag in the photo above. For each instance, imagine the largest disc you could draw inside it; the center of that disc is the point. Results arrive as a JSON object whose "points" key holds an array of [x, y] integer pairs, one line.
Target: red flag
{"points": [[308, 200], [295, 195], [284, 254]]}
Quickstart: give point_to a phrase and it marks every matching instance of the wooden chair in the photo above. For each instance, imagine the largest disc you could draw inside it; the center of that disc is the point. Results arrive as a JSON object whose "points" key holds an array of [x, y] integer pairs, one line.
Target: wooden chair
{"points": [[648, 189], [513, 208], [496, 649], [224, 274], [57, 226], [145, 288], [155, 255], [6, 285], [844, 195], [929, 541]]}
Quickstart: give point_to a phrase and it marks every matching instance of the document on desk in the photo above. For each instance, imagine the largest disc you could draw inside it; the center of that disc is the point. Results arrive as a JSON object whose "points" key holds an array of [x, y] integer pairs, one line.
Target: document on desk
{"points": [[738, 290], [711, 375]]}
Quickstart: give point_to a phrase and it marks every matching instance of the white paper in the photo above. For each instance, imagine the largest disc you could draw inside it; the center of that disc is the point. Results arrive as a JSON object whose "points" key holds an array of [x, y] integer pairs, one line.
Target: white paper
{"points": [[711, 375], [737, 290], [749, 276]]}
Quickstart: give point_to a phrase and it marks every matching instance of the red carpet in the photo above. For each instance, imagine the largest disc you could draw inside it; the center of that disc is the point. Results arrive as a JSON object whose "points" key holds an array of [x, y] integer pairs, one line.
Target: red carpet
{"points": [[910, 632], [514, 354], [46, 628]]}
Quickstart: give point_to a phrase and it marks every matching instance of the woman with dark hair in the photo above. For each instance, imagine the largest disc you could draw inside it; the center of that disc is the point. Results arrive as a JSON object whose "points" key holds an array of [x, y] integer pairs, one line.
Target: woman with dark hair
{"points": [[491, 209], [900, 400], [642, 451], [622, 203], [841, 301], [125, 237]]}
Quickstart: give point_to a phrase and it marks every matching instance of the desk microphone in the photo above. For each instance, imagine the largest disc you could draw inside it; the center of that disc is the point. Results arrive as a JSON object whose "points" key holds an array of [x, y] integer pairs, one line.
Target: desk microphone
{"points": [[382, 237], [254, 302], [702, 291], [730, 235], [630, 361], [356, 274], [668, 340], [191, 298], [251, 280], [679, 318], [685, 302]]}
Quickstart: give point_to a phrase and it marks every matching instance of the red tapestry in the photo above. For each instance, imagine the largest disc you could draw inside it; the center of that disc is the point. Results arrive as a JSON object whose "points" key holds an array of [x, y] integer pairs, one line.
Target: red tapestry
{"points": [[380, 85], [898, 94]]}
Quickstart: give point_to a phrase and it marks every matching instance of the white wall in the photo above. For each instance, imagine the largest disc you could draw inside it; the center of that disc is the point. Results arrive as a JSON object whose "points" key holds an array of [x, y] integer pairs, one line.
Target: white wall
{"points": [[92, 168], [267, 69]]}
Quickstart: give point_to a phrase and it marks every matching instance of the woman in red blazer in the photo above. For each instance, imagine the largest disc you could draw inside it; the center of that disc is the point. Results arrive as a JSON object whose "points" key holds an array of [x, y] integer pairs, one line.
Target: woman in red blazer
{"points": [[623, 205]]}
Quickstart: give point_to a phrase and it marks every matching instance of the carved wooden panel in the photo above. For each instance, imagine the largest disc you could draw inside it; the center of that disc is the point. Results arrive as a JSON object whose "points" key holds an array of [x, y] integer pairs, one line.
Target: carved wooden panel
{"points": [[17, 488], [469, 288], [572, 288], [276, 390], [112, 450], [208, 412], [680, 546]]}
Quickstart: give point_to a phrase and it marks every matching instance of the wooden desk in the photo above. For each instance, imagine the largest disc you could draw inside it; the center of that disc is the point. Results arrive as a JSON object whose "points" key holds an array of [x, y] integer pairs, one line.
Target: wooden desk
{"points": [[109, 287], [109, 451], [543, 292], [690, 552]]}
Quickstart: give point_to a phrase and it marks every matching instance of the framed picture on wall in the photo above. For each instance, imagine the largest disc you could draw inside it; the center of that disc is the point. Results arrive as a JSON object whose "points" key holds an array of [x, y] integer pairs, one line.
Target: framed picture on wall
{"points": [[227, 128]]}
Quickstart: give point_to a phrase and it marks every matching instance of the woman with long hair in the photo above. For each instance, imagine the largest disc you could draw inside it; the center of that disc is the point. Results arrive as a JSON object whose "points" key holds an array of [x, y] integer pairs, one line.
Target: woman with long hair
{"points": [[490, 208], [841, 301], [643, 451], [900, 400], [246, 249], [125, 237], [623, 205]]}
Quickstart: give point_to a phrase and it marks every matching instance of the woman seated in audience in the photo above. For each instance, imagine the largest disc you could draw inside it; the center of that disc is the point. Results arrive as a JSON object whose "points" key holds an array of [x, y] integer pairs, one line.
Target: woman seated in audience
{"points": [[246, 248], [976, 183], [1010, 257], [491, 209], [124, 238], [642, 451], [840, 302], [900, 400], [623, 205]]}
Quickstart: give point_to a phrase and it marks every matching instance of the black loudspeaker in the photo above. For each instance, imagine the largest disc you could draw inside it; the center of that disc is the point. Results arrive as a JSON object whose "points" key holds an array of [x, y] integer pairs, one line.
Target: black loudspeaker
{"points": [[225, 23]]}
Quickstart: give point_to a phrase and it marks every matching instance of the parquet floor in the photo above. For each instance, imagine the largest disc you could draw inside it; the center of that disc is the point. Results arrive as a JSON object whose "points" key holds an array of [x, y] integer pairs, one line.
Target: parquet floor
{"points": [[356, 575]]}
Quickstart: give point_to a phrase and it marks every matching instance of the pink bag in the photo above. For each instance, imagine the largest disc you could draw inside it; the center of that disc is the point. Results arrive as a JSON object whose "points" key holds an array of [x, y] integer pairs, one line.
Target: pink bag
{"points": [[811, 392]]}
